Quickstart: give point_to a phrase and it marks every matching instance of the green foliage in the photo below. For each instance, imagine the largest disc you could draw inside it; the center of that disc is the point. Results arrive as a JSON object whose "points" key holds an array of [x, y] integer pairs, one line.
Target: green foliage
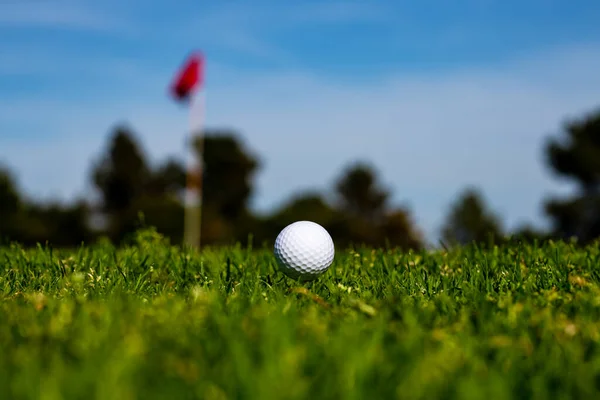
{"points": [[577, 217], [528, 234], [10, 205], [31, 223], [227, 186], [360, 194], [129, 187], [168, 178], [135, 194], [364, 215], [361, 215], [228, 173], [576, 156], [65, 225], [121, 174], [152, 321], [303, 206], [469, 221], [398, 230]]}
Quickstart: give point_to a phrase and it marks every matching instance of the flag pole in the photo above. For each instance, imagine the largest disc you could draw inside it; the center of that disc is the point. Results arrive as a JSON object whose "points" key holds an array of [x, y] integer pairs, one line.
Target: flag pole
{"points": [[193, 200], [189, 78]]}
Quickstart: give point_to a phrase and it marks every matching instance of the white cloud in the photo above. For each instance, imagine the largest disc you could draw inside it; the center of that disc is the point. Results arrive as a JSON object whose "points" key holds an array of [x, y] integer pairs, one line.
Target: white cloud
{"points": [[58, 15], [252, 28], [276, 16], [430, 135], [333, 12]]}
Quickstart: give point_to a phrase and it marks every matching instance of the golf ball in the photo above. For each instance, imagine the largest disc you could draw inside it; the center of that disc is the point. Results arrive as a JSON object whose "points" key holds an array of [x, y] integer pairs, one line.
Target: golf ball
{"points": [[304, 250]]}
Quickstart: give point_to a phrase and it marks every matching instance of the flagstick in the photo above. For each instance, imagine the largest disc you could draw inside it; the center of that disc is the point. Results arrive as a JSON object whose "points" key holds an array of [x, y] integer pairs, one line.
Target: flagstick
{"points": [[193, 194]]}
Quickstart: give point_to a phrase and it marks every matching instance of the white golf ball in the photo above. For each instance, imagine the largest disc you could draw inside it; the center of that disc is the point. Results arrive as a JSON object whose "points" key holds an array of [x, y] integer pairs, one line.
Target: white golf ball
{"points": [[304, 250]]}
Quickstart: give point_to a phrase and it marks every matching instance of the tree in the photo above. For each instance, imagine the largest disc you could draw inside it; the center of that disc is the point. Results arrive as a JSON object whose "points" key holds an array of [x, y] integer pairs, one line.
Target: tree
{"points": [[163, 213], [30, 223], [528, 233], [130, 188], [363, 214], [10, 205], [122, 173], [227, 186], [305, 206], [228, 173], [57, 224], [576, 217], [308, 205], [398, 230], [121, 177], [576, 157], [360, 194], [469, 220], [168, 179]]}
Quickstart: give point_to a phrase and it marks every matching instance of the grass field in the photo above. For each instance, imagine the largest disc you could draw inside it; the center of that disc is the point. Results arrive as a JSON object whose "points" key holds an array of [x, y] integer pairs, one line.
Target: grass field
{"points": [[152, 322]]}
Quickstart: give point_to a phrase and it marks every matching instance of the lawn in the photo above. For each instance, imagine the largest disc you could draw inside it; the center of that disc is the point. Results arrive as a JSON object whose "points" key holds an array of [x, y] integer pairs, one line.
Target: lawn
{"points": [[152, 321]]}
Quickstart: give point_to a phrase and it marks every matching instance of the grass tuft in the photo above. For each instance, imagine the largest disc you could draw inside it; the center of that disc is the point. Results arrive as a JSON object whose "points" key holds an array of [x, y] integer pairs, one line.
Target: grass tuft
{"points": [[153, 321]]}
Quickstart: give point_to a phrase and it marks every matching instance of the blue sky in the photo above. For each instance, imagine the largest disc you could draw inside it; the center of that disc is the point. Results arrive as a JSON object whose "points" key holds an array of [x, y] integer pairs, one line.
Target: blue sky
{"points": [[437, 95]]}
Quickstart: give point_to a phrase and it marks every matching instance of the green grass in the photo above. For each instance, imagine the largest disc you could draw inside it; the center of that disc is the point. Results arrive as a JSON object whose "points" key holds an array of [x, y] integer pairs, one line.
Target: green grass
{"points": [[153, 322]]}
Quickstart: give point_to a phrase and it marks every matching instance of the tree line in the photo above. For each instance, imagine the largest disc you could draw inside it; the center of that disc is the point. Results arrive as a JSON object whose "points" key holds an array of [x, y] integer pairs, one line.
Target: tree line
{"points": [[134, 194]]}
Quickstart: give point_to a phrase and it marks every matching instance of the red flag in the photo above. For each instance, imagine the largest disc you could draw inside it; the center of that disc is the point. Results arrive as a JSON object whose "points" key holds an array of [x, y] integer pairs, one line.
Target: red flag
{"points": [[189, 77]]}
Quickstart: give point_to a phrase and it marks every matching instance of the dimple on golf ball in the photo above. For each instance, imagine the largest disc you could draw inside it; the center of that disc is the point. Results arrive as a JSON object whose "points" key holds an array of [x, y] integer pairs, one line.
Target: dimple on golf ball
{"points": [[304, 250]]}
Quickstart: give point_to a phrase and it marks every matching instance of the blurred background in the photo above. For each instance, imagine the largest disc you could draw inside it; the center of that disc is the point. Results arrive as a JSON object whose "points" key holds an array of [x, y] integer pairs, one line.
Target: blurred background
{"points": [[408, 124]]}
